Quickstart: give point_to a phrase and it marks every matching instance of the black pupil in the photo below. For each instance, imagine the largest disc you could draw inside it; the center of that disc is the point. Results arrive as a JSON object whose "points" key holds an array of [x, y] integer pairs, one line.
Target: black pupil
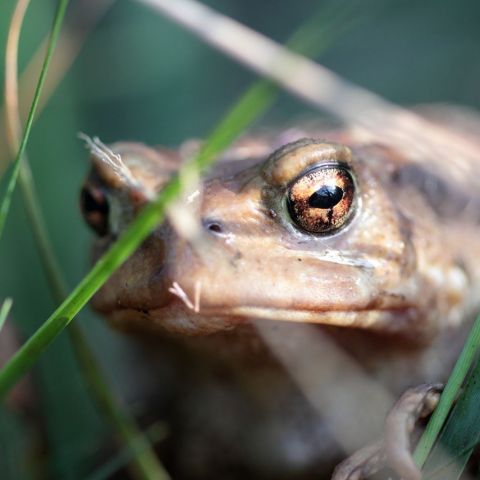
{"points": [[327, 196]]}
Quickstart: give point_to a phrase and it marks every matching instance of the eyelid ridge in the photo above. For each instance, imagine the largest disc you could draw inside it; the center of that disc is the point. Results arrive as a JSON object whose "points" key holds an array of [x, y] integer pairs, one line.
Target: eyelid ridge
{"points": [[293, 160]]}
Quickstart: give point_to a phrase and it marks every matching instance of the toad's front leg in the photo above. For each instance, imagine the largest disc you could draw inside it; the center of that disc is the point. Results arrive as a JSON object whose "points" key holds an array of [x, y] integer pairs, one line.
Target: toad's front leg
{"points": [[394, 449]]}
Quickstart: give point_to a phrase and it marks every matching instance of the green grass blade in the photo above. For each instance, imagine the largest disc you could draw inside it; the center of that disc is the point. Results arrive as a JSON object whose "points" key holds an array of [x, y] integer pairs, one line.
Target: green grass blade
{"points": [[144, 461], [450, 454], [4, 311], [246, 110], [7, 199], [449, 395], [153, 434], [141, 226], [41, 237], [142, 457]]}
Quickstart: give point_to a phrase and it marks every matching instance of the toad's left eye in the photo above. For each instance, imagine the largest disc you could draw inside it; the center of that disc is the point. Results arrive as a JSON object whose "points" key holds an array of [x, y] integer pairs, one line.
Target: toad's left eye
{"points": [[95, 208], [321, 200]]}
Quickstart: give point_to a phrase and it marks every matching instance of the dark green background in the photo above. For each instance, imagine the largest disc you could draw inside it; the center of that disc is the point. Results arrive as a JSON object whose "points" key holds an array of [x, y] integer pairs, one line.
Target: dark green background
{"points": [[140, 77]]}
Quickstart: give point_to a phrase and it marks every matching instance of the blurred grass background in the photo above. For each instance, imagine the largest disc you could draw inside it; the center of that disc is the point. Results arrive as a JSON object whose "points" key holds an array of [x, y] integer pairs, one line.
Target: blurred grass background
{"points": [[139, 77]]}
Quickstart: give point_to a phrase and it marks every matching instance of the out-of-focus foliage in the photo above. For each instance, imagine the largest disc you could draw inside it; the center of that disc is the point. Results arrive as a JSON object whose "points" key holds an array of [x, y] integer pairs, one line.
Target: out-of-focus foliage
{"points": [[139, 77]]}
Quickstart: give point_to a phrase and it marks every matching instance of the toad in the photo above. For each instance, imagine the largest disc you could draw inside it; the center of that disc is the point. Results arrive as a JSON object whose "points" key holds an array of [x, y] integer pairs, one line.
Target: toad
{"points": [[305, 283]]}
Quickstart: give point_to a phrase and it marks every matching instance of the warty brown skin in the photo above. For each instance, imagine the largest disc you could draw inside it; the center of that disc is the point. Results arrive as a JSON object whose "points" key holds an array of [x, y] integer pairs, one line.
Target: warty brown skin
{"points": [[393, 287]]}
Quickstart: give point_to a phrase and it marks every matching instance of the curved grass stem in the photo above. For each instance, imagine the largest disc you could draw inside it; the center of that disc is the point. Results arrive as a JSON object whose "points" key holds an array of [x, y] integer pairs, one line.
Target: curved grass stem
{"points": [[12, 181]]}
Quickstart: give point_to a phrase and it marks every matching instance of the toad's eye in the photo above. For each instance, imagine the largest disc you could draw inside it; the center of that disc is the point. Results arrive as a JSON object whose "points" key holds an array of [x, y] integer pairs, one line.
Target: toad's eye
{"points": [[95, 208], [321, 200]]}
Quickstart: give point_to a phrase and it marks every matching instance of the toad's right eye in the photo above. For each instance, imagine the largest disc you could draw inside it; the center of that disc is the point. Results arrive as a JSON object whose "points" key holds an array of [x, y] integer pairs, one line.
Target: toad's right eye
{"points": [[95, 208], [321, 201]]}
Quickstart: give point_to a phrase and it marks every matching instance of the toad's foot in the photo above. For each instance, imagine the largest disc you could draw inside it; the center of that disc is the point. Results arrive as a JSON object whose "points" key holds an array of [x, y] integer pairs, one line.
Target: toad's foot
{"points": [[415, 403], [362, 463], [394, 450]]}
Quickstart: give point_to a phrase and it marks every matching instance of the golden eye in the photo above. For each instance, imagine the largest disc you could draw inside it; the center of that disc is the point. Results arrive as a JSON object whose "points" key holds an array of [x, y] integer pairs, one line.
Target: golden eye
{"points": [[321, 200]]}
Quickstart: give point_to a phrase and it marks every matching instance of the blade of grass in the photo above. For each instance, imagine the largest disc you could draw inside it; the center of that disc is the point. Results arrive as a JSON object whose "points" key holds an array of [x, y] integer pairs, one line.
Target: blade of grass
{"points": [[462, 428], [316, 85], [144, 464], [4, 311], [155, 433], [452, 388], [13, 130], [13, 135], [55, 31], [235, 122], [294, 73], [243, 113]]}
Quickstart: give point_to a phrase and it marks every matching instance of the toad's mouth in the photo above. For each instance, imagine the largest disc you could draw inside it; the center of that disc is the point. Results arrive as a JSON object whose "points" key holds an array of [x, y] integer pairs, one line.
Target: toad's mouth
{"points": [[214, 319]]}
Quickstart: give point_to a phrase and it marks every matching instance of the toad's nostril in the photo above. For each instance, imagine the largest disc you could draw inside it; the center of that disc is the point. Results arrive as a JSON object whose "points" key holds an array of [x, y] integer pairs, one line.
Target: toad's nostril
{"points": [[214, 227]]}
